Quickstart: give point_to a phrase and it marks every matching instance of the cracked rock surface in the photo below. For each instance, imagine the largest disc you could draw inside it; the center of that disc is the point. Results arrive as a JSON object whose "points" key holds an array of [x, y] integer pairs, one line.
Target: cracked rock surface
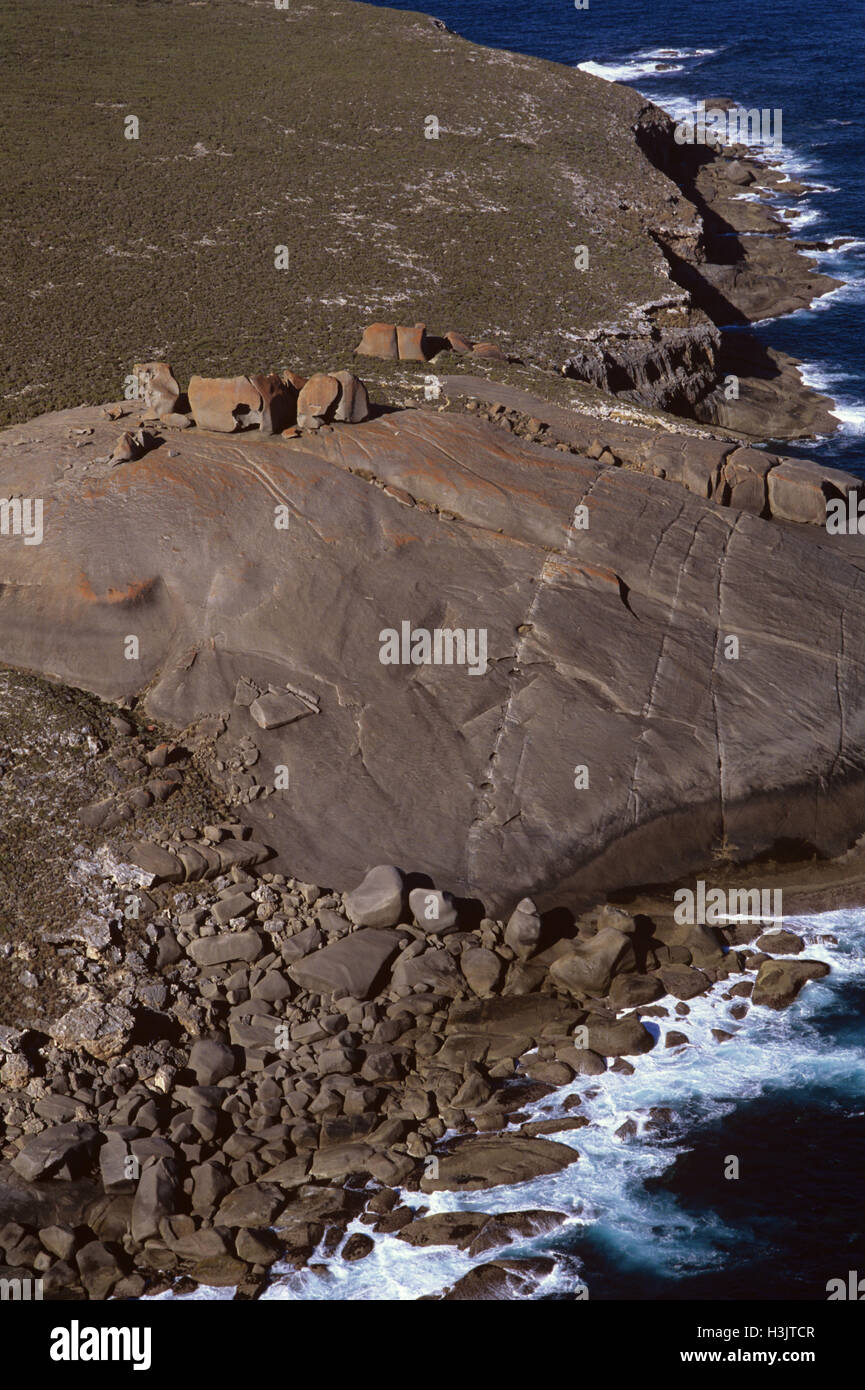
{"points": [[606, 647]]}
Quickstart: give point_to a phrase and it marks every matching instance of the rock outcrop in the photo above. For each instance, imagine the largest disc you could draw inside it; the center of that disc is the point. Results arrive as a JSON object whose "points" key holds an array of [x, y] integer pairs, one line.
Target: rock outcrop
{"points": [[607, 601]]}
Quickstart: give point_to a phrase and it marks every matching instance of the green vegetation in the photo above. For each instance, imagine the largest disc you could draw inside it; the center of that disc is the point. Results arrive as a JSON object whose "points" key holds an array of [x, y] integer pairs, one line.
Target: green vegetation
{"points": [[305, 127]]}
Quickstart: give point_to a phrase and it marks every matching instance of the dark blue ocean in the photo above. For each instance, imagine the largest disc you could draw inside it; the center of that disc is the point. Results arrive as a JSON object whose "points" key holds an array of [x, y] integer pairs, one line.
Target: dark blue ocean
{"points": [[807, 59]]}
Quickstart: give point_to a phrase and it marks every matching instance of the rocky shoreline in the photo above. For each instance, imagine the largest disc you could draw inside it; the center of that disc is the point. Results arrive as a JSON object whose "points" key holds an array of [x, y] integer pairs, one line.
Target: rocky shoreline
{"points": [[252, 1063]]}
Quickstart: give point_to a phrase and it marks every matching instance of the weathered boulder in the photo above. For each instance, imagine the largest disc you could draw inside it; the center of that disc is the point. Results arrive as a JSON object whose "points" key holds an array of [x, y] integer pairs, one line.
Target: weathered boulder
{"points": [[353, 404], [211, 1061], [100, 1028], [780, 981], [161, 863], [489, 350], [294, 381], [354, 965], [379, 340], [127, 447], [100, 1268], [500, 1281], [589, 968], [798, 491], [278, 403], [317, 401], [683, 982], [745, 473], [114, 1167], [252, 1206], [482, 969], [780, 943], [458, 342], [432, 910], [629, 991], [156, 1196], [479, 1163], [157, 387], [626, 1037], [434, 970], [222, 403], [523, 931], [69, 1146], [216, 950], [411, 343], [378, 900]]}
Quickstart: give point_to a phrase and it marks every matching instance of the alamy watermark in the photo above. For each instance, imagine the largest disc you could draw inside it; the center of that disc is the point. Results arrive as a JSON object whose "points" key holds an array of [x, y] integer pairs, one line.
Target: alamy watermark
{"points": [[443, 646], [731, 126], [77, 1343], [845, 516], [717, 906], [20, 1290], [22, 516]]}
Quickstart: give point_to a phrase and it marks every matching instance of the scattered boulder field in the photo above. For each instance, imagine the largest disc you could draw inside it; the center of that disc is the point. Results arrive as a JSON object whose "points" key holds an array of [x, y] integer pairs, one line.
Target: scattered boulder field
{"points": [[273, 1062]]}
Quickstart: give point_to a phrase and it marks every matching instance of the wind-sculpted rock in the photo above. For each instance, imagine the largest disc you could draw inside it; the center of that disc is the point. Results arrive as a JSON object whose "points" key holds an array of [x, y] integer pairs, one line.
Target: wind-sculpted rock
{"points": [[353, 404], [278, 403], [458, 342], [317, 401], [222, 403], [379, 340], [412, 344], [408, 343], [157, 387], [533, 601]]}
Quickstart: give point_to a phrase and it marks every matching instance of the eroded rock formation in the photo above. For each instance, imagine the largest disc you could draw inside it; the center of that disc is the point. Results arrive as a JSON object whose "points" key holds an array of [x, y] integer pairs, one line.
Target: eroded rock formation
{"points": [[605, 643]]}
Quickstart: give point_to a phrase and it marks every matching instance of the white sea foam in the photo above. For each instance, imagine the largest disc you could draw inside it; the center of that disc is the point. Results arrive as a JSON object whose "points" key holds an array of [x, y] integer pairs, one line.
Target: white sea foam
{"points": [[624, 72]]}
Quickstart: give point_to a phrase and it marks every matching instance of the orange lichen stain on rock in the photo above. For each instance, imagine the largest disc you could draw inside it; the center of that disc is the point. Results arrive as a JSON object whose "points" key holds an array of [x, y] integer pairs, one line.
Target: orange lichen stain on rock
{"points": [[135, 592], [598, 576], [397, 538]]}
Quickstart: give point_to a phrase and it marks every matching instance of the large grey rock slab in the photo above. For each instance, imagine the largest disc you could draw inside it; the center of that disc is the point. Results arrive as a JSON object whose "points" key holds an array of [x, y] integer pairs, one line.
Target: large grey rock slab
{"points": [[607, 647], [351, 966], [57, 1146]]}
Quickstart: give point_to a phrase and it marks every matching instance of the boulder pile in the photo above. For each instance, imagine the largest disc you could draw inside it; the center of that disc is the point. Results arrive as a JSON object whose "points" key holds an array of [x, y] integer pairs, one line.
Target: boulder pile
{"points": [[277, 402], [196, 1115]]}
